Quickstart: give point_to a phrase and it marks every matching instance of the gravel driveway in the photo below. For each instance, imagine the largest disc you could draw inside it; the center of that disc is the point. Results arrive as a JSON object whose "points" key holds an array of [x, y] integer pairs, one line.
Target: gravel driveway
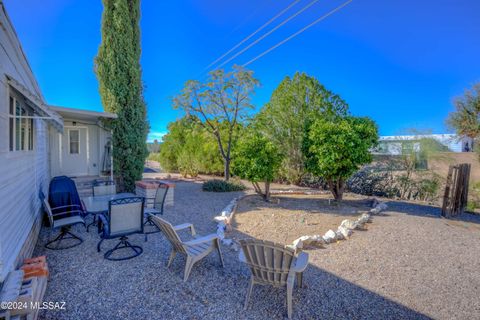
{"points": [[410, 264]]}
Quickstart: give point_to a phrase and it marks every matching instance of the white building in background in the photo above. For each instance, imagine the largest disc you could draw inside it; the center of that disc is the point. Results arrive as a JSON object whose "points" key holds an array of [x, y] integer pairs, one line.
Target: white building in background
{"points": [[393, 145]]}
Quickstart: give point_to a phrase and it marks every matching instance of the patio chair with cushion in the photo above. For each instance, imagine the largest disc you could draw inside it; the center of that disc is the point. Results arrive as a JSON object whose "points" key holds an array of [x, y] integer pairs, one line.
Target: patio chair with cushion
{"points": [[124, 218], [273, 264], [158, 204], [194, 250], [63, 218]]}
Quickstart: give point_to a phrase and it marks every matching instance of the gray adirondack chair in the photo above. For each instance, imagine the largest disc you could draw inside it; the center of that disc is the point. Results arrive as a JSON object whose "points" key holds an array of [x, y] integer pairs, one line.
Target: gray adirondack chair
{"points": [[273, 264], [195, 249]]}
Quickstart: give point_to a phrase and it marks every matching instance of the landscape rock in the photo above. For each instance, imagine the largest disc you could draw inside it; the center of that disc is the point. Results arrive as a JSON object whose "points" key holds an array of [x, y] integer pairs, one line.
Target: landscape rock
{"points": [[364, 218], [330, 236], [344, 232], [349, 224], [220, 218], [307, 240]]}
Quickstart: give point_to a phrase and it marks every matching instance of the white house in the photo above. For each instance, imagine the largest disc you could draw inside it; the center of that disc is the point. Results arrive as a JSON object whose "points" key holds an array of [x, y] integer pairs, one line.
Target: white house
{"points": [[37, 142], [393, 145]]}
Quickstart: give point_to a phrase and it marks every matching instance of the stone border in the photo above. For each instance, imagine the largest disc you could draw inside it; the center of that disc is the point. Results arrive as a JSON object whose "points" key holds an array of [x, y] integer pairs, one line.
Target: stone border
{"points": [[344, 231]]}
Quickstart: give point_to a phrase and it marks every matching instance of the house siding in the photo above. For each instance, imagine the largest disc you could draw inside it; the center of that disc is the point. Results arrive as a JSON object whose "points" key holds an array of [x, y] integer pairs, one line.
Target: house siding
{"points": [[22, 173]]}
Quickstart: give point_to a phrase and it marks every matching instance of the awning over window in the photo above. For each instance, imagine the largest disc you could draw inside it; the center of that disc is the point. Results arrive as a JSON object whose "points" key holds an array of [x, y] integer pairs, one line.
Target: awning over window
{"points": [[42, 111]]}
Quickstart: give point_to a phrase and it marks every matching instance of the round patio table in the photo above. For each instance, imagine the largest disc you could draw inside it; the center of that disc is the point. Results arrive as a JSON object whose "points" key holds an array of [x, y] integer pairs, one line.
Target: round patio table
{"points": [[99, 204]]}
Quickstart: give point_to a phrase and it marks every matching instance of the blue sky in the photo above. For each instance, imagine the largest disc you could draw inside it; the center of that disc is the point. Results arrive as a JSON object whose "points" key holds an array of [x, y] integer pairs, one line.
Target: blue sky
{"points": [[399, 62]]}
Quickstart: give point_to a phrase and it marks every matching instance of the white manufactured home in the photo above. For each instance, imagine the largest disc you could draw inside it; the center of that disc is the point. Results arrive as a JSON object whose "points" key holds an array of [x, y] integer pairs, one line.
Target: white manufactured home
{"points": [[37, 142]]}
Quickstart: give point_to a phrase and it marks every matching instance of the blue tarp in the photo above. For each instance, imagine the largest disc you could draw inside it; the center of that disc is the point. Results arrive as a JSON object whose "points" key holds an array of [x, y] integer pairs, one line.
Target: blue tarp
{"points": [[63, 192]]}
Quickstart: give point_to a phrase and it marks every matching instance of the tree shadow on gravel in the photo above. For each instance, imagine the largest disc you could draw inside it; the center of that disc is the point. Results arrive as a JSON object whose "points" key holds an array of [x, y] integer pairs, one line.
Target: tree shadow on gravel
{"points": [[312, 205], [429, 211]]}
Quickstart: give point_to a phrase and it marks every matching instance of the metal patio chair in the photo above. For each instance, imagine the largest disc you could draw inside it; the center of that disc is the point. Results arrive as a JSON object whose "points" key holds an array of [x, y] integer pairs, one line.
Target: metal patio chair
{"points": [[124, 218], [158, 204], [63, 218], [102, 188]]}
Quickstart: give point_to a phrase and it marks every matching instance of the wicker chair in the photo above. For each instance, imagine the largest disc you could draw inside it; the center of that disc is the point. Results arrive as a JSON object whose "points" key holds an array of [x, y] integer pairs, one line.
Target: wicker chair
{"points": [[195, 250], [63, 218], [273, 264], [158, 204], [124, 217]]}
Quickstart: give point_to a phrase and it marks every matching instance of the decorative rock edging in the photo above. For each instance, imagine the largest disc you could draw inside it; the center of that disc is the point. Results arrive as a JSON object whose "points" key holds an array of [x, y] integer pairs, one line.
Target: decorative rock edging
{"points": [[344, 231]]}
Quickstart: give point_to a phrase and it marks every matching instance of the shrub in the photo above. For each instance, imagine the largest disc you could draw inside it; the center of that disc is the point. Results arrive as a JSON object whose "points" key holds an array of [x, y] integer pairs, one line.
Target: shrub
{"points": [[217, 185], [336, 148], [257, 160]]}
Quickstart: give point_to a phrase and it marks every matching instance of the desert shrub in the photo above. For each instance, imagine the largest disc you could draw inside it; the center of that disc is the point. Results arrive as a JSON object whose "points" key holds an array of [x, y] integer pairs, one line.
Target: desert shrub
{"points": [[217, 185], [154, 156], [189, 149], [384, 183], [257, 159], [336, 148]]}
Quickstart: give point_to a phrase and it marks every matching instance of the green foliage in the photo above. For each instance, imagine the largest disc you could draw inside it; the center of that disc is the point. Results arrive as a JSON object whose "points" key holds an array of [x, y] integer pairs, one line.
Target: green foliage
{"points": [[118, 70], [189, 149], [154, 156], [335, 148], [217, 185], [284, 118], [257, 159], [466, 117], [221, 104]]}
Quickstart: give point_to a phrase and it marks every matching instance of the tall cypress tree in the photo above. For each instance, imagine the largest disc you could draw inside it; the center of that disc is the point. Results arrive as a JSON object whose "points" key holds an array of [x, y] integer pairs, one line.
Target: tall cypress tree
{"points": [[118, 71]]}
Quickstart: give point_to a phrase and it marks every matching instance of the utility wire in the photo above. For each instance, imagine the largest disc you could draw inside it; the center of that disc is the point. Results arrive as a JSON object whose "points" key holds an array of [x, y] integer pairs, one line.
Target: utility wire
{"points": [[252, 34], [298, 32], [268, 33]]}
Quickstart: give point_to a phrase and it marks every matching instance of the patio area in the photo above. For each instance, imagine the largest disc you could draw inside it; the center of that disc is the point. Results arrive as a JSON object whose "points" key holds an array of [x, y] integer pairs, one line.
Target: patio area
{"points": [[409, 264]]}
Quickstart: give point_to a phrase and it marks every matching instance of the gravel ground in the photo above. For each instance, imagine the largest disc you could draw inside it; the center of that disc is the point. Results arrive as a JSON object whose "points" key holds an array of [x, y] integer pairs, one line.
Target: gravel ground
{"points": [[288, 217], [410, 264]]}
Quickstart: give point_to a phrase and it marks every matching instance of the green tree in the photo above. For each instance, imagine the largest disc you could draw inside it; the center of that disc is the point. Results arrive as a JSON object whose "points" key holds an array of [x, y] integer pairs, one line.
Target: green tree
{"points": [[221, 103], [257, 159], [189, 149], [466, 117], [336, 148], [284, 117], [118, 71]]}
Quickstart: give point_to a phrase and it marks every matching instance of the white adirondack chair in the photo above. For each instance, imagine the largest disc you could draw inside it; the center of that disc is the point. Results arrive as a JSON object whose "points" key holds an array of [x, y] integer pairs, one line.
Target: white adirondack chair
{"points": [[273, 264], [195, 249]]}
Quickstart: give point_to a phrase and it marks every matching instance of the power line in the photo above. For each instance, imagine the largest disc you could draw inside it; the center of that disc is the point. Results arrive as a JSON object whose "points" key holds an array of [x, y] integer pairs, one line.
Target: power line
{"points": [[298, 32], [254, 33], [268, 33]]}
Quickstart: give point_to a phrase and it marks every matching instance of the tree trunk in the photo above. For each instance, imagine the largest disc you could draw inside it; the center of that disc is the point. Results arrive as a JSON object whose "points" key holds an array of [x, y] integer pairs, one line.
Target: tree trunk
{"points": [[267, 191], [337, 188], [257, 188], [226, 171]]}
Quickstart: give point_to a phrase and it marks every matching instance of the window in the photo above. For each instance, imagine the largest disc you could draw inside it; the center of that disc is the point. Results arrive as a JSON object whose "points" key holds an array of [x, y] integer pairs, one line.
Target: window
{"points": [[74, 141], [21, 125]]}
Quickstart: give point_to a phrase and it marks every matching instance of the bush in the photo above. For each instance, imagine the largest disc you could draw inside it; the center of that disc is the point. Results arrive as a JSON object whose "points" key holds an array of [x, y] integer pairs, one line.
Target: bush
{"points": [[257, 159], [154, 156], [217, 185]]}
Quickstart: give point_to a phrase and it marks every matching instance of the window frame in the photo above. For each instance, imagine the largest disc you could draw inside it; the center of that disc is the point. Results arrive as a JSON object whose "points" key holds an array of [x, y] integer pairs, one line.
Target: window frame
{"points": [[70, 141], [21, 124]]}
